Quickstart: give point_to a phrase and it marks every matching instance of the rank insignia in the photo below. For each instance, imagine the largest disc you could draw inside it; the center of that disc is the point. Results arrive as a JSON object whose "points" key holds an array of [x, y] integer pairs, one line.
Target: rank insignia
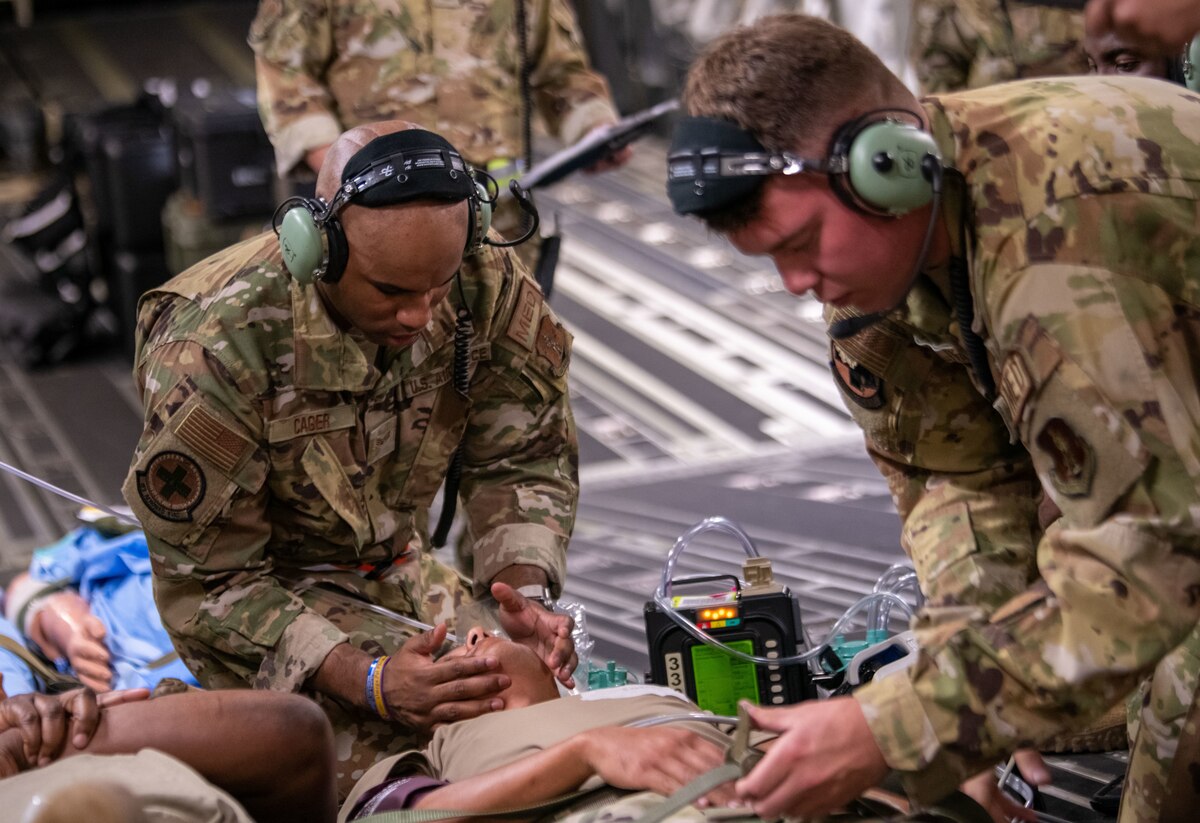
{"points": [[552, 345], [863, 387], [171, 486], [1074, 461]]}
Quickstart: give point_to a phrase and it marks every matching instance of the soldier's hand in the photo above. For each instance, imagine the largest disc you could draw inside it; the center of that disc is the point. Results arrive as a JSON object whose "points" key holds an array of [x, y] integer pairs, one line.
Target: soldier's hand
{"points": [[422, 693], [984, 789], [547, 633], [824, 757]]}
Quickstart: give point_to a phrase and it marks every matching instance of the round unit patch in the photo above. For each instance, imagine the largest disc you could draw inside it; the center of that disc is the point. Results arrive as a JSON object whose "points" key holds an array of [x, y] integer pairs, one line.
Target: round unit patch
{"points": [[863, 387], [171, 486]]}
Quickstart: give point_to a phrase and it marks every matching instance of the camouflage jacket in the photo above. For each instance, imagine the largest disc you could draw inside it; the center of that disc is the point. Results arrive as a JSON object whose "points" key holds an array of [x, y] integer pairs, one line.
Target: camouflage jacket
{"points": [[275, 442], [325, 66], [1085, 277], [965, 44]]}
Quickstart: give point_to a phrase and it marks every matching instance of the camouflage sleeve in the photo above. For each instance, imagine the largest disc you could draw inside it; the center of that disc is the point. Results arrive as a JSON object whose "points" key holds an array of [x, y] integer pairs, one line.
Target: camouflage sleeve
{"points": [[199, 486], [293, 45], [571, 97], [521, 475], [942, 46], [1100, 386]]}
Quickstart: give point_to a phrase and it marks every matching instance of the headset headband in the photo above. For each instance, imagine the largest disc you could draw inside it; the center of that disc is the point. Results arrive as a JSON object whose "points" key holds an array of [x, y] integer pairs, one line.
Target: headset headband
{"points": [[713, 163]]}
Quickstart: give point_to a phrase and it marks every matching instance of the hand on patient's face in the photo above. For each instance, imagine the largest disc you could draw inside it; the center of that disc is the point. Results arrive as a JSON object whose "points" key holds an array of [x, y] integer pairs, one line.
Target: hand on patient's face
{"points": [[548, 634], [531, 682], [422, 693], [659, 759]]}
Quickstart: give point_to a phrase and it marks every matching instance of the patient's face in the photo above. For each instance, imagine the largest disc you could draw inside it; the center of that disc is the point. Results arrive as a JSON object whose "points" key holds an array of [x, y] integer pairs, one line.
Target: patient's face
{"points": [[532, 681]]}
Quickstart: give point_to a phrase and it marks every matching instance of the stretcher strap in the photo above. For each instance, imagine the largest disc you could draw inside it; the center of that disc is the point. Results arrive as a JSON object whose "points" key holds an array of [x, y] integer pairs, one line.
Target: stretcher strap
{"points": [[521, 812], [52, 677], [739, 760]]}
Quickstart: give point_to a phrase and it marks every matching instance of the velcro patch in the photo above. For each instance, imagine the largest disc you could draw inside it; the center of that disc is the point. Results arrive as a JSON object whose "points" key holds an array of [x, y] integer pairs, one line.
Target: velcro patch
{"points": [[859, 384], [552, 345], [1073, 458], [307, 423], [212, 440], [172, 486], [1015, 385], [522, 326]]}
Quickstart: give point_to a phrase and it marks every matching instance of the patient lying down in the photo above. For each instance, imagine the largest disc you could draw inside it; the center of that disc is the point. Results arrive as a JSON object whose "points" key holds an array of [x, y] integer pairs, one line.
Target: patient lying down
{"points": [[544, 746]]}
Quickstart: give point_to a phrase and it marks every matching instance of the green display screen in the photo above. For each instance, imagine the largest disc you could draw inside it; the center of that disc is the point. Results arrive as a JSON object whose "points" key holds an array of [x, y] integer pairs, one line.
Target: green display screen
{"points": [[722, 680]]}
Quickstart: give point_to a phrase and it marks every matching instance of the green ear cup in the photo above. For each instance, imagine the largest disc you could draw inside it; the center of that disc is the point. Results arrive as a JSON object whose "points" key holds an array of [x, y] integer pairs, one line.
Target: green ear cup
{"points": [[885, 166], [300, 241], [1191, 64]]}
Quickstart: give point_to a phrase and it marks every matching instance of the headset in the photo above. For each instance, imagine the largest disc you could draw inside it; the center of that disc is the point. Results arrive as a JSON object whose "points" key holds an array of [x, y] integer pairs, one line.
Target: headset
{"points": [[877, 164], [396, 168], [400, 167]]}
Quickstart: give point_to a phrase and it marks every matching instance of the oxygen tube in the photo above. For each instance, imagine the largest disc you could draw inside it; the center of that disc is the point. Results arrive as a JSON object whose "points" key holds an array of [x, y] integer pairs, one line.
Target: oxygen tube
{"points": [[880, 601]]}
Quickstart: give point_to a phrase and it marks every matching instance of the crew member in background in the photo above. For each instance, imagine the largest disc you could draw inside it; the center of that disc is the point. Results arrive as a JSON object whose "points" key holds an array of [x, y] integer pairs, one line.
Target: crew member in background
{"points": [[325, 66], [965, 44]]}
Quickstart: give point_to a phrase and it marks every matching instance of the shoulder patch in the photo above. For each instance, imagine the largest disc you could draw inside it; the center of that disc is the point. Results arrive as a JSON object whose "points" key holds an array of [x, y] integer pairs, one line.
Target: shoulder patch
{"points": [[1074, 460], [860, 385], [212, 440], [552, 345], [1016, 385], [172, 486], [521, 328]]}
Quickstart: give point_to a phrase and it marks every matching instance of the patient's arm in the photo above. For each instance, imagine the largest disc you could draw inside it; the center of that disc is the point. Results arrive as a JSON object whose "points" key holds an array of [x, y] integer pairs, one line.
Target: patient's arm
{"points": [[272, 751], [63, 626], [655, 759]]}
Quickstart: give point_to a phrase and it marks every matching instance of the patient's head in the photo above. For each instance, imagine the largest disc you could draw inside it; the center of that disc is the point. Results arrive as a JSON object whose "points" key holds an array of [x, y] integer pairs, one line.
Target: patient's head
{"points": [[532, 681]]}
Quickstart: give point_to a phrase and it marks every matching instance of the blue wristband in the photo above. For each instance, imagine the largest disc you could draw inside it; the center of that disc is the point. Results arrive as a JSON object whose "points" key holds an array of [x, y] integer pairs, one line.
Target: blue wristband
{"points": [[370, 693]]}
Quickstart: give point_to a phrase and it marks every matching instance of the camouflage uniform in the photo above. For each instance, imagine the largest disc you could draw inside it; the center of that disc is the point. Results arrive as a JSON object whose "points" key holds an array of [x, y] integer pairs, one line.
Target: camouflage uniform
{"points": [[450, 65], [964, 44], [286, 467], [1085, 275]]}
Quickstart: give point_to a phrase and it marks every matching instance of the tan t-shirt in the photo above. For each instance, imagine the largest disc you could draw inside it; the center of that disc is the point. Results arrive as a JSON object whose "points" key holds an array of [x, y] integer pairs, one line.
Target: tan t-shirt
{"points": [[167, 790], [487, 742]]}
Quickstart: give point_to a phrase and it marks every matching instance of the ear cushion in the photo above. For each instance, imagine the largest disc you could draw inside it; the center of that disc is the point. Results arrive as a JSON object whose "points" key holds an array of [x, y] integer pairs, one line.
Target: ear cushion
{"points": [[479, 219], [339, 250]]}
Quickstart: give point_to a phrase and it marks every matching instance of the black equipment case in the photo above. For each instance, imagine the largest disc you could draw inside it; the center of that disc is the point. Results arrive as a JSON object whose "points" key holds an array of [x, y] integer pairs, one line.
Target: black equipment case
{"points": [[225, 158]]}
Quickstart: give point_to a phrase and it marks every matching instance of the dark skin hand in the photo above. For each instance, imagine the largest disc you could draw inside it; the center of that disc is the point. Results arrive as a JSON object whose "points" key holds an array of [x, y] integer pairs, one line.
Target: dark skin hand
{"points": [[47, 721], [422, 693], [547, 633]]}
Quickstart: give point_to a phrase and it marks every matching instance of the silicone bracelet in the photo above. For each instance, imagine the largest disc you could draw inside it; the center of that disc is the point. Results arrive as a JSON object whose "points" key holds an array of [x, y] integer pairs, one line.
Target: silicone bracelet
{"points": [[377, 689], [370, 679]]}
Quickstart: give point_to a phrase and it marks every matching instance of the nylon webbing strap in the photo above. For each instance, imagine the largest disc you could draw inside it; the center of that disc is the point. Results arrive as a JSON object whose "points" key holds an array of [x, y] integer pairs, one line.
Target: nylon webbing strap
{"points": [[432, 815], [39, 667], [740, 759]]}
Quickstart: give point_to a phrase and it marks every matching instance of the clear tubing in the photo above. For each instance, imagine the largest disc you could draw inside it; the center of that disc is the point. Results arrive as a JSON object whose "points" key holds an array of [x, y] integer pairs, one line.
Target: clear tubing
{"points": [[708, 524], [895, 579]]}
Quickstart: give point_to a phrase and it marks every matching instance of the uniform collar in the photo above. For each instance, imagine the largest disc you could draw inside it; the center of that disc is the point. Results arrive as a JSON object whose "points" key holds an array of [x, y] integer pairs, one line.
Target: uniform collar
{"points": [[327, 358]]}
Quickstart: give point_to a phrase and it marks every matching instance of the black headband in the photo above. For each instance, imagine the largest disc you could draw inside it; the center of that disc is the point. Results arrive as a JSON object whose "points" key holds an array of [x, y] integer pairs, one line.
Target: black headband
{"points": [[401, 167], [715, 163]]}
